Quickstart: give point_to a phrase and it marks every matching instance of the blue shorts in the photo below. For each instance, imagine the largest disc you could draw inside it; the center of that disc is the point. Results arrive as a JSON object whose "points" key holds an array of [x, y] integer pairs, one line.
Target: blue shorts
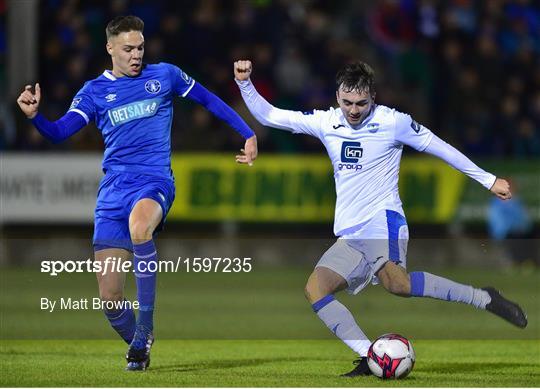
{"points": [[117, 195]]}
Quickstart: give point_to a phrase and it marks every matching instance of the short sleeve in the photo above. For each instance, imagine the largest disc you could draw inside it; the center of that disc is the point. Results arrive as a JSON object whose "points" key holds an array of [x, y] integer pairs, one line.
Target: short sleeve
{"points": [[181, 81], [411, 133], [83, 103]]}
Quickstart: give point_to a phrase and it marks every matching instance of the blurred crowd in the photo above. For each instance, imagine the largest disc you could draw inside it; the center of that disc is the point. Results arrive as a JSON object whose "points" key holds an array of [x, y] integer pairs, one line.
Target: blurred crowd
{"points": [[468, 70]]}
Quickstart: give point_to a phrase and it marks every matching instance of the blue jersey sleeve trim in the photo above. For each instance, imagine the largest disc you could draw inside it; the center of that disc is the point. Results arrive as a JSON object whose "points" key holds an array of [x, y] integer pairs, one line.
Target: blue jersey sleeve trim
{"points": [[85, 116], [214, 104], [61, 129]]}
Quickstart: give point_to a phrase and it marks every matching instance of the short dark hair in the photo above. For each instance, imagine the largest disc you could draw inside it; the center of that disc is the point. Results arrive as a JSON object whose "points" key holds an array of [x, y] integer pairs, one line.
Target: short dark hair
{"points": [[356, 76], [124, 24]]}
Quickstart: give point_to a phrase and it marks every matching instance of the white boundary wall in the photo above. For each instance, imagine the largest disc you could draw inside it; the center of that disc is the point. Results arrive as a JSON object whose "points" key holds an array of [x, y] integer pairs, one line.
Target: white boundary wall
{"points": [[49, 187]]}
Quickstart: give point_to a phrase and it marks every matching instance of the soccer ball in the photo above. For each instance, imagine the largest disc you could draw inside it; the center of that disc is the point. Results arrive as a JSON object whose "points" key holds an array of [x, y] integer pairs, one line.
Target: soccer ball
{"points": [[391, 356]]}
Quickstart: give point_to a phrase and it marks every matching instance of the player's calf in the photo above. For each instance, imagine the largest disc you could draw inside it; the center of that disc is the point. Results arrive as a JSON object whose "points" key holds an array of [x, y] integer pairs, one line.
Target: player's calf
{"points": [[123, 322]]}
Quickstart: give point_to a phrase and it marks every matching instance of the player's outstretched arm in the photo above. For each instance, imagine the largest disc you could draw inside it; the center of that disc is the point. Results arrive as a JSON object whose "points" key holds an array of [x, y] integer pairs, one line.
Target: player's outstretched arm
{"points": [[266, 113], [262, 110], [439, 148], [56, 131], [221, 110], [419, 137]]}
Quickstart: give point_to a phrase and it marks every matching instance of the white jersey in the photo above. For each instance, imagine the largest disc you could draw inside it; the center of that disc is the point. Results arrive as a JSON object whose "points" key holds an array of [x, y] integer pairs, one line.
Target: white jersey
{"points": [[365, 158]]}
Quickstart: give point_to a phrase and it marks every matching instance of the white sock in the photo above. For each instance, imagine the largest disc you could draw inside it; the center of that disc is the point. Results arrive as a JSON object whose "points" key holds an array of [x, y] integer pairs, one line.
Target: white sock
{"points": [[425, 284], [341, 322]]}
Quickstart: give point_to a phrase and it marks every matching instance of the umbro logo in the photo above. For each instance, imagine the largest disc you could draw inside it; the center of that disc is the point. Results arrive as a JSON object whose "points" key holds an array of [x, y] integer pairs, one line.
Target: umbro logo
{"points": [[110, 97]]}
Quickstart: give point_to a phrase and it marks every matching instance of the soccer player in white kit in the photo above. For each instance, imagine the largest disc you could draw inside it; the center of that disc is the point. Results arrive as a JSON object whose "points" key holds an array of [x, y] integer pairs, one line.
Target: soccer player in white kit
{"points": [[364, 141]]}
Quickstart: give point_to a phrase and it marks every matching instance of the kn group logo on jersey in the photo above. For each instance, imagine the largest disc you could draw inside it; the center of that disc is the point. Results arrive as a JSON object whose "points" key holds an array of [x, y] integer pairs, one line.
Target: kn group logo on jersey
{"points": [[351, 152]]}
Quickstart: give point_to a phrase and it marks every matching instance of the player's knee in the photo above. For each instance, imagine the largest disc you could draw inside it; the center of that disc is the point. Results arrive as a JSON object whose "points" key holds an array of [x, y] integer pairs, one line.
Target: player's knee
{"points": [[309, 290], [140, 230], [312, 290], [319, 286]]}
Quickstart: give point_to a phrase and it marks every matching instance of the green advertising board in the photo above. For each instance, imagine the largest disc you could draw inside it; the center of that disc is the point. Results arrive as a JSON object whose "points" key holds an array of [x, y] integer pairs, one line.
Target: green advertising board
{"points": [[300, 188], [524, 177]]}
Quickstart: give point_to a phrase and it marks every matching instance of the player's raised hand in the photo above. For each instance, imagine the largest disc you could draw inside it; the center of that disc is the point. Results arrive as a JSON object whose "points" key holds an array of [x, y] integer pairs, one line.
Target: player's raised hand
{"points": [[242, 70], [249, 152], [29, 102], [501, 189]]}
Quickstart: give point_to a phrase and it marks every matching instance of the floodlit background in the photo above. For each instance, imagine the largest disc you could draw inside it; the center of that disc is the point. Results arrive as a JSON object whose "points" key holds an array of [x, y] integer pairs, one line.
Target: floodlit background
{"points": [[468, 70]]}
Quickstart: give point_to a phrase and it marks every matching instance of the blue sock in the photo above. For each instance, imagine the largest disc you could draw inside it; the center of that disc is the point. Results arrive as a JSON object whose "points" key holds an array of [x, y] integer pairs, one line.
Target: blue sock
{"points": [[145, 256], [429, 285], [123, 322], [341, 322]]}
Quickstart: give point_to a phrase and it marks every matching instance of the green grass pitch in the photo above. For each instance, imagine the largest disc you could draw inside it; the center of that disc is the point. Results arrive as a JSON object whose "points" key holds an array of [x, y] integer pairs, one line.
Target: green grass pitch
{"points": [[252, 363], [253, 330]]}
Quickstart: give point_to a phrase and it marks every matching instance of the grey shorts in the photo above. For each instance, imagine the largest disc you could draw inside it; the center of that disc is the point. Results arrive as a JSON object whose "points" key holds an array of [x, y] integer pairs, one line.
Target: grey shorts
{"points": [[358, 256]]}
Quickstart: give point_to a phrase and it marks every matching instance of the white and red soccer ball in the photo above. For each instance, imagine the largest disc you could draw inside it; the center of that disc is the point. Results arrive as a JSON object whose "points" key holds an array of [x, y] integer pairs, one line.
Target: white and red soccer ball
{"points": [[391, 356]]}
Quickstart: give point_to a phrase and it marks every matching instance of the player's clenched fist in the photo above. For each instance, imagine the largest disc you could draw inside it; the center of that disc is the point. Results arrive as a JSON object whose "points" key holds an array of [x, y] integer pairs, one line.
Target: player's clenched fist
{"points": [[501, 189], [242, 70], [29, 102]]}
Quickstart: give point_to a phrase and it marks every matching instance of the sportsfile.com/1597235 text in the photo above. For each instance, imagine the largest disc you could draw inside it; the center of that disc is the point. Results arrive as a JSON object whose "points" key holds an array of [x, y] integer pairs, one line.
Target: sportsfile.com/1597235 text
{"points": [[114, 264]]}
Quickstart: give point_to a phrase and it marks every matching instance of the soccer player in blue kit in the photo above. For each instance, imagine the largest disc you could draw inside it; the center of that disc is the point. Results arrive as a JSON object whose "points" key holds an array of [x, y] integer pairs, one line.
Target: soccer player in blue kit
{"points": [[132, 107], [365, 141]]}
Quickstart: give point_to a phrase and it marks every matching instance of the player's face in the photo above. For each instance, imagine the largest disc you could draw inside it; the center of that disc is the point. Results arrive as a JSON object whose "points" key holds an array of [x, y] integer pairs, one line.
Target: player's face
{"points": [[127, 51], [354, 105]]}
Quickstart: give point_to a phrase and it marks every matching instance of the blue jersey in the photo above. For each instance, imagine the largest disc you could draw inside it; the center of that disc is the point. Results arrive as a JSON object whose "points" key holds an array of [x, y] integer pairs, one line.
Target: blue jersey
{"points": [[134, 115]]}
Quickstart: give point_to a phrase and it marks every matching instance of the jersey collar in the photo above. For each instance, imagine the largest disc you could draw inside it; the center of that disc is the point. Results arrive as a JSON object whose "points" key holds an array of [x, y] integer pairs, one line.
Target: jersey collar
{"points": [[108, 74]]}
